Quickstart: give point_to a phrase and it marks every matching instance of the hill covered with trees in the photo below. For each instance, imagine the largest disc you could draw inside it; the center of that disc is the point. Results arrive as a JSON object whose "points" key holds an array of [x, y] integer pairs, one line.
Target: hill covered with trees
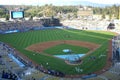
{"points": [[51, 10]]}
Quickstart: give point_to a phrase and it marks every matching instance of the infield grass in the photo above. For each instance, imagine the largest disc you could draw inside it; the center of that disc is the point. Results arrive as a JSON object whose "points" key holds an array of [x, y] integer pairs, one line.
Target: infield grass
{"points": [[58, 49]]}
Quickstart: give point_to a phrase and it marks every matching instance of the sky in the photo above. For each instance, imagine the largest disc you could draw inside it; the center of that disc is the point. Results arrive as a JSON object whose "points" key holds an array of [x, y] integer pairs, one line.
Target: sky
{"points": [[54, 2]]}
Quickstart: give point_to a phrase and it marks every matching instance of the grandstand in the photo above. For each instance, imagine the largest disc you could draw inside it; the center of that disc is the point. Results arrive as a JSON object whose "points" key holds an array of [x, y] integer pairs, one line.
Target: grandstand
{"points": [[116, 48], [10, 27]]}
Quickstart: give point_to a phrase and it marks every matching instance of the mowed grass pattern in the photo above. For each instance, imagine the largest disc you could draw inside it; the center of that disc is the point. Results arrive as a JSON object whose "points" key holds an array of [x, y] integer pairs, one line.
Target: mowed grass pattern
{"points": [[22, 40], [58, 49]]}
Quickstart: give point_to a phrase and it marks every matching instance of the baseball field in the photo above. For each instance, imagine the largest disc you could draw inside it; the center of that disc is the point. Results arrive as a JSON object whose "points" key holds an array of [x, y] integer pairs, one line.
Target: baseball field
{"points": [[41, 45]]}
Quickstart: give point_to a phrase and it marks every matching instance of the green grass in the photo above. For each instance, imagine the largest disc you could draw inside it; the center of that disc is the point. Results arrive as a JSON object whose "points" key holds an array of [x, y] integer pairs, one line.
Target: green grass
{"points": [[58, 49], [22, 40]]}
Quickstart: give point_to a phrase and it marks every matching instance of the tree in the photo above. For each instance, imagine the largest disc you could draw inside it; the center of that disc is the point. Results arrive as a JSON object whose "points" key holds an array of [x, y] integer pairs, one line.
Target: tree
{"points": [[103, 16], [75, 15], [112, 11], [2, 12], [119, 12], [7, 16], [68, 16], [31, 17], [48, 10], [110, 16], [39, 14]]}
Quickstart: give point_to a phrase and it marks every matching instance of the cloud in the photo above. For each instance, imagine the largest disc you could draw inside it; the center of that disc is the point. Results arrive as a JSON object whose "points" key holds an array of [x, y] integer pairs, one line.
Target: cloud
{"points": [[55, 2], [105, 1]]}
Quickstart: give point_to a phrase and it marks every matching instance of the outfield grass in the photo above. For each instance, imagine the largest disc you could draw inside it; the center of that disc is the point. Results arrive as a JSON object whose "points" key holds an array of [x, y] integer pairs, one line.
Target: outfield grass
{"points": [[58, 49], [22, 40]]}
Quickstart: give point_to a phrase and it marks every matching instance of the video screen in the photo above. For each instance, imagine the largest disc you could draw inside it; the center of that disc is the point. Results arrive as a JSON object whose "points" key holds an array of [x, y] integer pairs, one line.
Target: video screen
{"points": [[17, 14]]}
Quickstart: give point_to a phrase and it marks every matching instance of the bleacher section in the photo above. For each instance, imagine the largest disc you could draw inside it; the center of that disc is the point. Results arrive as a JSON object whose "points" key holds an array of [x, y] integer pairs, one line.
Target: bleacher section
{"points": [[11, 27]]}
